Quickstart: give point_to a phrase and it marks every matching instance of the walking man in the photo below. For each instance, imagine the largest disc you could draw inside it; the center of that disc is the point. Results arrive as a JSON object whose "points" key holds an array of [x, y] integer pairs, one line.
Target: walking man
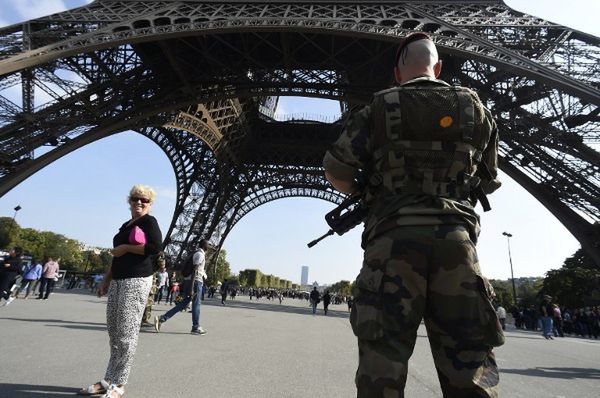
{"points": [[49, 275], [315, 297], [162, 283], [192, 288], [427, 151], [501, 312], [224, 291], [9, 270], [547, 312], [326, 301]]}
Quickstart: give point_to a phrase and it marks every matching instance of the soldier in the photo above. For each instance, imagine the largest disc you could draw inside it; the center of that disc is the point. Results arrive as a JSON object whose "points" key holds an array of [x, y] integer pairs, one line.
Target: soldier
{"points": [[147, 319], [427, 150]]}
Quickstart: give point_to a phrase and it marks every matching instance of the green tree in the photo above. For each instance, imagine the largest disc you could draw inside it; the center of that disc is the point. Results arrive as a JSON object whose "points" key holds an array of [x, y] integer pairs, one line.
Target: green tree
{"points": [[9, 232], [529, 292], [33, 242], [106, 260], [66, 251], [243, 278], [342, 287], [504, 293], [233, 280], [576, 284], [251, 277], [218, 270], [268, 280], [91, 261]]}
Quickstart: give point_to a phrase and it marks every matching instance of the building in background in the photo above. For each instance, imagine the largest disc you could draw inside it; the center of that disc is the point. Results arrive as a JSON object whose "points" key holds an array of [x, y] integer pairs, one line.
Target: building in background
{"points": [[304, 276]]}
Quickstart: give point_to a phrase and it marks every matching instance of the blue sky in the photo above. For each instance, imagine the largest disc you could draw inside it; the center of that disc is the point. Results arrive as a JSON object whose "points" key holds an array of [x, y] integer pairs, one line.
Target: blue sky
{"points": [[83, 194]]}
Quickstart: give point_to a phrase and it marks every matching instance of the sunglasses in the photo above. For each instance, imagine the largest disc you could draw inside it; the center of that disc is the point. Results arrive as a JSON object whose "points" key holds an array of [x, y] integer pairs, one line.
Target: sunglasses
{"points": [[134, 199]]}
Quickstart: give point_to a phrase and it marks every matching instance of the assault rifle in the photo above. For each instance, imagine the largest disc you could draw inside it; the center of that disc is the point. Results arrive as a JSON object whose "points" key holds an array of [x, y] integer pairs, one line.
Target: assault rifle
{"points": [[350, 213]]}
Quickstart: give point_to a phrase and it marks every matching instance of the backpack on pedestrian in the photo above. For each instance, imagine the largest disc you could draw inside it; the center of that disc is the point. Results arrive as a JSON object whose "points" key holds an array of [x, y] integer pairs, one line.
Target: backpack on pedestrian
{"points": [[188, 266]]}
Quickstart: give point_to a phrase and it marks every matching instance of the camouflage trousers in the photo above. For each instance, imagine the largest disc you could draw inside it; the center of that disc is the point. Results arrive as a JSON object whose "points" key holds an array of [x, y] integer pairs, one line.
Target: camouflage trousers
{"points": [[431, 273], [147, 317]]}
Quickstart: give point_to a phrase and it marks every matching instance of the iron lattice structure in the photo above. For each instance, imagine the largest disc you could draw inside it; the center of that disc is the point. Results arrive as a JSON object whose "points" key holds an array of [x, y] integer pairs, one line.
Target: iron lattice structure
{"points": [[201, 79]]}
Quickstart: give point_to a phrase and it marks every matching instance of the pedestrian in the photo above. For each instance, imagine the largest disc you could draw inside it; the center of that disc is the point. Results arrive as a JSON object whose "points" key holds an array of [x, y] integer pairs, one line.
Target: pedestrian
{"points": [[427, 150], [326, 301], [96, 280], [162, 283], [192, 288], [501, 312], [315, 298], [173, 288], [547, 313], [568, 322], [72, 281], [9, 270], [557, 321], [49, 277], [31, 273], [224, 290], [128, 283]]}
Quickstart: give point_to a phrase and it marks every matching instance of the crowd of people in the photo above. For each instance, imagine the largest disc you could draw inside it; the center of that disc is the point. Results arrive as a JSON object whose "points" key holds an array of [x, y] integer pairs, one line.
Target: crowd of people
{"points": [[555, 321], [36, 279], [18, 276]]}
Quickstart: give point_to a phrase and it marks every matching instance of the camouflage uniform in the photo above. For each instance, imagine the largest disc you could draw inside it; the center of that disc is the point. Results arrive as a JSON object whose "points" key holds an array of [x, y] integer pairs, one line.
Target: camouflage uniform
{"points": [[420, 145], [147, 318]]}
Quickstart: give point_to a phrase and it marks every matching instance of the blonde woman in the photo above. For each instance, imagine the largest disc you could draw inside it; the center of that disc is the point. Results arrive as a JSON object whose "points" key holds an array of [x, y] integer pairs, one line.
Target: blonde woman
{"points": [[128, 285]]}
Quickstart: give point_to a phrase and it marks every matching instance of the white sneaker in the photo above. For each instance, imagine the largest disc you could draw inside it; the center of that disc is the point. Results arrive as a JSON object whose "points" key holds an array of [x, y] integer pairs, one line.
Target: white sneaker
{"points": [[157, 323], [10, 300], [198, 331]]}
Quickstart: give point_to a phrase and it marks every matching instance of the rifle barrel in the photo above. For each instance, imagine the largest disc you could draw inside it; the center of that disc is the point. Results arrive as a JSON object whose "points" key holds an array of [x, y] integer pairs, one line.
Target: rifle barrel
{"points": [[314, 242]]}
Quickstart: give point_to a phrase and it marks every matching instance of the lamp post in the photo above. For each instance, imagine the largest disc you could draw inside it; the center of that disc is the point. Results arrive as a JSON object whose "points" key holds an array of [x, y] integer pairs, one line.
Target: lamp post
{"points": [[16, 209], [512, 276]]}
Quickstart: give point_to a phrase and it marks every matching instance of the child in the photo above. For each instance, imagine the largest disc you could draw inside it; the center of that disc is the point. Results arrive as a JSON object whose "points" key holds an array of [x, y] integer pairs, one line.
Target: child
{"points": [[173, 288]]}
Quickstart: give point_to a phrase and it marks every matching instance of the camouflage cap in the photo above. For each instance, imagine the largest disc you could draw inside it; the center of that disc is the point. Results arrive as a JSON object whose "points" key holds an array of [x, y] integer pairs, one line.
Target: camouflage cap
{"points": [[406, 41]]}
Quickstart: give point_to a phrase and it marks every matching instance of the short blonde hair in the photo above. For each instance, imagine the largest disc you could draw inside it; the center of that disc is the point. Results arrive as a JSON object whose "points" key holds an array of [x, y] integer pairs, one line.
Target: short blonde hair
{"points": [[143, 191]]}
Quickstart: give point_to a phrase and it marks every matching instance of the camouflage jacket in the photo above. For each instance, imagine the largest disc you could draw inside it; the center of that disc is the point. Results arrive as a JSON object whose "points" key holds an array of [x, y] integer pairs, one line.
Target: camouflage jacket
{"points": [[361, 147]]}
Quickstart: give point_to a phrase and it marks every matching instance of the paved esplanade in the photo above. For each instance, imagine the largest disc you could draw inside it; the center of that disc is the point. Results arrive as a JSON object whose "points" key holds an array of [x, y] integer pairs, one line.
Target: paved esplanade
{"points": [[252, 349]]}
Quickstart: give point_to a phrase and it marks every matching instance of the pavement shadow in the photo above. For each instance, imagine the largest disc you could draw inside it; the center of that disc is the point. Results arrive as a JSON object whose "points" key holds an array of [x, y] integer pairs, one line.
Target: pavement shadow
{"points": [[557, 373], [530, 337], [29, 390], [63, 323], [276, 307]]}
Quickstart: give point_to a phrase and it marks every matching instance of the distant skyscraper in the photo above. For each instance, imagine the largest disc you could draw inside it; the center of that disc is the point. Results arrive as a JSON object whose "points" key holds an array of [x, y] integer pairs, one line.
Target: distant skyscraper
{"points": [[304, 277]]}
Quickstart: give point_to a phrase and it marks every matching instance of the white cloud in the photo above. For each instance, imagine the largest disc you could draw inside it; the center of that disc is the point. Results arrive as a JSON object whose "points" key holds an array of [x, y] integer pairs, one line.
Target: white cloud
{"points": [[31, 9]]}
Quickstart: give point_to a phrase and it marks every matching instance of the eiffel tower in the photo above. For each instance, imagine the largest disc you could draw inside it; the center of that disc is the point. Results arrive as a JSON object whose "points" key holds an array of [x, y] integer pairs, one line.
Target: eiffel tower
{"points": [[202, 78]]}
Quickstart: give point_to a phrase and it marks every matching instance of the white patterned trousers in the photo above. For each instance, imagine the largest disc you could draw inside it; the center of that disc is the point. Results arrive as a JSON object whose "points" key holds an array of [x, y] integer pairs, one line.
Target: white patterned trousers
{"points": [[124, 310]]}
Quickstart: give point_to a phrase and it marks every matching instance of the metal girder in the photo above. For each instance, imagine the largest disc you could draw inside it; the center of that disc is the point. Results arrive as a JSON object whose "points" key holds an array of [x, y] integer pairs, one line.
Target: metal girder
{"points": [[201, 80], [177, 19]]}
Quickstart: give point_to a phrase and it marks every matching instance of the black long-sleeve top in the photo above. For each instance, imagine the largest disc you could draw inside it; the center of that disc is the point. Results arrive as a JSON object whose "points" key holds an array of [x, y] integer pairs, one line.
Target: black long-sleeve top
{"points": [[132, 265], [15, 265]]}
